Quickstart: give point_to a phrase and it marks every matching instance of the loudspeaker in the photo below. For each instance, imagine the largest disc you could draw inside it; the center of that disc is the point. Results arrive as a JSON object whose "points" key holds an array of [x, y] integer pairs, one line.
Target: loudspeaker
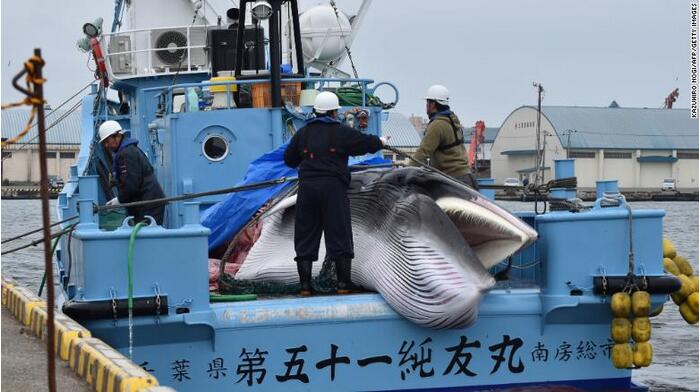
{"points": [[222, 49]]}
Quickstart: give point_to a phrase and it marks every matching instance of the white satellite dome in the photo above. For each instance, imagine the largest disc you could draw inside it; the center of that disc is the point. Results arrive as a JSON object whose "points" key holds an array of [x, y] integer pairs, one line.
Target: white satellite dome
{"points": [[323, 34]]}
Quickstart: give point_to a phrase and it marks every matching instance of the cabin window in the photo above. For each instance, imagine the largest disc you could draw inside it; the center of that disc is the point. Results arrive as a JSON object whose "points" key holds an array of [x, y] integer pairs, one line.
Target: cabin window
{"points": [[67, 155], [215, 148]]}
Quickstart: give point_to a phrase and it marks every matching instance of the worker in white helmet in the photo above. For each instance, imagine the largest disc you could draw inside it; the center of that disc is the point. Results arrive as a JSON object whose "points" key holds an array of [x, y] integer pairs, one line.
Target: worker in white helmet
{"points": [[320, 149], [443, 143], [133, 173]]}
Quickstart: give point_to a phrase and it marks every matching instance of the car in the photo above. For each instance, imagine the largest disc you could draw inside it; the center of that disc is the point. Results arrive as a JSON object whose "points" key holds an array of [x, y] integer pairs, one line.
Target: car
{"points": [[55, 182], [511, 182], [669, 184]]}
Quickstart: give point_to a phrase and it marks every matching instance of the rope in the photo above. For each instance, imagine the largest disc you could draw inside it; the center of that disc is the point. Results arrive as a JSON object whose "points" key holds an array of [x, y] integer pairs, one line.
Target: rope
{"points": [[345, 43], [419, 163], [26, 129], [34, 243], [130, 300], [31, 78], [43, 278], [37, 230], [352, 96], [61, 118], [242, 188]]}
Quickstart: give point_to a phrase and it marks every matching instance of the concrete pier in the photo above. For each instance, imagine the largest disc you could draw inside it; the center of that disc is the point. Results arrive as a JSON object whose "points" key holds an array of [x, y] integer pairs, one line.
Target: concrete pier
{"points": [[24, 361]]}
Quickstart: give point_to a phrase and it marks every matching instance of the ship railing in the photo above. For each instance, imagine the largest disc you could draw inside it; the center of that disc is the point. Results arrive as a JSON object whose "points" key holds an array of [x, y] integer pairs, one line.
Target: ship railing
{"points": [[156, 51], [172, 96]]}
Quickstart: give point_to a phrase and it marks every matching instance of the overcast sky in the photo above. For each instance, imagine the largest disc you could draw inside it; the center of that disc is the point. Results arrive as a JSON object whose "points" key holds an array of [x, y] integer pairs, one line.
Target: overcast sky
{"points": [[487, 53]]}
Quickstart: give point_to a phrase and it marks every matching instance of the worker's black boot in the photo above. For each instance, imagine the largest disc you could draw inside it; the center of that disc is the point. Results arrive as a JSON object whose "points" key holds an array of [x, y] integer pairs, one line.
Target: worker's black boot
{"points": [[304, 270], [342, 269]]}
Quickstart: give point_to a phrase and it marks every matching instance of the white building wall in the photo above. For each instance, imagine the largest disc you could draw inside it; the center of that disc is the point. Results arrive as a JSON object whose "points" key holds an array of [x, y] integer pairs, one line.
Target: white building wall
{"points": [[686, 173], [518, 133], [620, 169], [23, 165], [586, 172], [653, 174]]}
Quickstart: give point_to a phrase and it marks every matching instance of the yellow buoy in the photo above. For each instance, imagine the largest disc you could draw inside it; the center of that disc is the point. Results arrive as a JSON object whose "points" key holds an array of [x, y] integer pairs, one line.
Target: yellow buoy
{"points": [[622, 356], [669, 249], [641, 303], [688, 315], [642, 354], [686, 286], [683, 265], [677, 298], [692, 302], [656, 311], [641, 329], [620, 330], [621, 304], [694, 280], [671, 267]]}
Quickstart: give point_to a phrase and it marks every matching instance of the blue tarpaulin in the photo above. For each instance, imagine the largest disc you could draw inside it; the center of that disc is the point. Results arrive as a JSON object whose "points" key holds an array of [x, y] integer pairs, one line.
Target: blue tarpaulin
{"points": [[227, 217]]}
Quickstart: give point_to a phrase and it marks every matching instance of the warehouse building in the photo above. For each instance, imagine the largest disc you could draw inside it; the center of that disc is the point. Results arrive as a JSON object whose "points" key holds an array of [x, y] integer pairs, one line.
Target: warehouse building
{"points": [[640, 147], [403, 135], [20, 163]]}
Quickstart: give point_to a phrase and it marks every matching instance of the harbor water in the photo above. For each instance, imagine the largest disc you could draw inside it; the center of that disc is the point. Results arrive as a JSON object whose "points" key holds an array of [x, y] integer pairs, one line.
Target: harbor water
{"points": [[675, 365]]}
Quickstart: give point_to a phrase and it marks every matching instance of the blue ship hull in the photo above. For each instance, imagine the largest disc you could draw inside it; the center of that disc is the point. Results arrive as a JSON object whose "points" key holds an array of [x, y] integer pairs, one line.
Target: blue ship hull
{"points": [[543, 329]]}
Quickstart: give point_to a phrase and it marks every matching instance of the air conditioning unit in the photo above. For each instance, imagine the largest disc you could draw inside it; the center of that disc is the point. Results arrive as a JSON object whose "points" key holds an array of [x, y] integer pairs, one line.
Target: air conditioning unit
{"points": [[170, 49], [121, 63]]}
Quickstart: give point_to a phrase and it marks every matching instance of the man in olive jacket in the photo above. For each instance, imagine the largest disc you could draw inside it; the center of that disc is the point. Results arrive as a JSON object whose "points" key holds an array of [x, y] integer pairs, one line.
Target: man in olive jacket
{"points": [[442, 146]]}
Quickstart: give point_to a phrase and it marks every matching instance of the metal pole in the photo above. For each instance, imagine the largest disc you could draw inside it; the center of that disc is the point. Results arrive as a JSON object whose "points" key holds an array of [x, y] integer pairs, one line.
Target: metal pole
{"points": [[275, 57], [44, 187], [297, 38], [240, 38], [539, 176], [544, 150]]}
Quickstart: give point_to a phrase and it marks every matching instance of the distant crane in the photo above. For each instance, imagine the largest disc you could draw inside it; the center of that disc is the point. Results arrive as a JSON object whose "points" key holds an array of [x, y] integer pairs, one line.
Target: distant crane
{"points": [[477, 140], [668, 102]]}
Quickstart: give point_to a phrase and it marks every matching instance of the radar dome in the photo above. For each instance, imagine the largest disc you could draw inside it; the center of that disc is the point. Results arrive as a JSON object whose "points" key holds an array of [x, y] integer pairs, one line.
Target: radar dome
{"points": [[323, 34]]}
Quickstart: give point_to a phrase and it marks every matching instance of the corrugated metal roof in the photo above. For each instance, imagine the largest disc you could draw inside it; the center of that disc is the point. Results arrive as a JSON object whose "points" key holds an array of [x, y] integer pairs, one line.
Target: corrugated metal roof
{"points": [[489, 134], [65, 132], [624, 128], [402, 132]]}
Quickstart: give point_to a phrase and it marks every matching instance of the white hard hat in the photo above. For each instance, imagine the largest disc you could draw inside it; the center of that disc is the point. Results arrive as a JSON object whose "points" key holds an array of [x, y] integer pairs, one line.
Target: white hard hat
{"points": [[109, 128], [326, 101], [439, 94]]}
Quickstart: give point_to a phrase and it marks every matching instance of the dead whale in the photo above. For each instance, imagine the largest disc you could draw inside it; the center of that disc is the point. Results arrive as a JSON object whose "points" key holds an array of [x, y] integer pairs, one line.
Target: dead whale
{"points": [[423, 241]]}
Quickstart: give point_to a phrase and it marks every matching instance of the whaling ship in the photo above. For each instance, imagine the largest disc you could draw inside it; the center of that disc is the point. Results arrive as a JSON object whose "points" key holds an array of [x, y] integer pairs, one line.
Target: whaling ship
{"points": [[204, 104]]}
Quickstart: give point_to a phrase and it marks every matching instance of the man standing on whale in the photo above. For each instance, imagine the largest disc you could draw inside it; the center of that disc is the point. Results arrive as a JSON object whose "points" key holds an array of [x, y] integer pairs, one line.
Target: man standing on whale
{"points": [[321, 149], [442, 146]]}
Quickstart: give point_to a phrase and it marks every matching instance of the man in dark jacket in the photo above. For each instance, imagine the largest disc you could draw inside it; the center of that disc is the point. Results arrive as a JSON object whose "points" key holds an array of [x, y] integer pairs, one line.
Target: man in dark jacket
{"points": [[443, 143], [134, 174], [320, 149]]}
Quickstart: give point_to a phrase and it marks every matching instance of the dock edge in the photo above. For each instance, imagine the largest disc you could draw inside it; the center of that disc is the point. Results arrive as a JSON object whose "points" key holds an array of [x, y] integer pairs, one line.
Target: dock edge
{"points": [[100, 365]]}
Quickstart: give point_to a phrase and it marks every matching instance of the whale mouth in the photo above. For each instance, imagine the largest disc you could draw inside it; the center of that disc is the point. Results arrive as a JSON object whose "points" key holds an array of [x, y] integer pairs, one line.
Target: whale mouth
{"points": [[490, 236]]}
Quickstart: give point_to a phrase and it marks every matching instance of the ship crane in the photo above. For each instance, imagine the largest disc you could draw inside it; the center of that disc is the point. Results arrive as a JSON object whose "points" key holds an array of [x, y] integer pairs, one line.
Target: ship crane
{"points": [[670, 99], [477, 140]]}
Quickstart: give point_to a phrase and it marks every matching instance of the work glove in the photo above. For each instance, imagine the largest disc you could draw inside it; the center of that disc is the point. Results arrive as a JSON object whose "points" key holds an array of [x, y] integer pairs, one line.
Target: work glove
{"points": [[113, 202], [385, 139]]}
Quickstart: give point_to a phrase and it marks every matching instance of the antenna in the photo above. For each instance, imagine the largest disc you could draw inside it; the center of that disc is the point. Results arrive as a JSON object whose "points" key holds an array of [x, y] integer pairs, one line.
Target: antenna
{"points": [[539, 160]]}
